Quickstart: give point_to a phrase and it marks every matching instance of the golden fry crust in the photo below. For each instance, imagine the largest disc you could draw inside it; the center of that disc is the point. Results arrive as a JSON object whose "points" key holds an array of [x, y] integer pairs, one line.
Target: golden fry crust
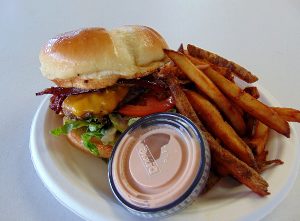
{"points": [[238, 70]]}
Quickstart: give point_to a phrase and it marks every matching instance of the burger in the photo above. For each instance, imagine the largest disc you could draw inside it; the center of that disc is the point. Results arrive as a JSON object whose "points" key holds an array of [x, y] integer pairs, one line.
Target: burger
{"points": [[105, 80]]}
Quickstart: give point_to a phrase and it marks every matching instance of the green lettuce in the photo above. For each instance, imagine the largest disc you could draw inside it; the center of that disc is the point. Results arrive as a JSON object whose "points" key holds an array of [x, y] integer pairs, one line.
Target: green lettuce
{"points": [[68, 127], [92, 129], [86, 140], [119, 122], [107, 131], [133, 120]]}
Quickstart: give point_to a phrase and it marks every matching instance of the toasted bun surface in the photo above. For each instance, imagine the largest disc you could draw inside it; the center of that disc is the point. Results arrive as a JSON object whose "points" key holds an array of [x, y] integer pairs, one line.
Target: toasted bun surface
{"points": [[96, 58]]}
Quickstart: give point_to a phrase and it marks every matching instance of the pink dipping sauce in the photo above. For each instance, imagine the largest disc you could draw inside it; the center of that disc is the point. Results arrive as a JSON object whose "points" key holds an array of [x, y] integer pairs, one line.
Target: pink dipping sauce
{"points": [[160, 165]]}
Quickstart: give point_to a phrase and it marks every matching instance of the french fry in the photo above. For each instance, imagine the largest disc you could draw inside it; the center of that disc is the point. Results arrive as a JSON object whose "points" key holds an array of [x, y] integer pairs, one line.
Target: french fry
{"points": [[212, 180], [240, 171], [261, 159], [265, 164], [221, 171], [259, 142], [239, 71], [196, 61], [212, 118], [180, 49], [199, 64], [181, 100], [224, 71], [260, 138], [253, 91], [249, 120], [204, 84], [249, 104], [171, 69], [288, 114], [202, 64], [235, 167]]}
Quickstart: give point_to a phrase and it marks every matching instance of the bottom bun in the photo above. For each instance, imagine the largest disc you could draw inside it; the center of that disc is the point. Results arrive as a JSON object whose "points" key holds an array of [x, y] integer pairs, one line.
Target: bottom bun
{"points": [[75, 138]]}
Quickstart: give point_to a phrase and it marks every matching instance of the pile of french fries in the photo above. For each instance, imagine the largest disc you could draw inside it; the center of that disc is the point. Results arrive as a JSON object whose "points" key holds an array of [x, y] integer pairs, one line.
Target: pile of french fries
{"points": [[235, 123]]}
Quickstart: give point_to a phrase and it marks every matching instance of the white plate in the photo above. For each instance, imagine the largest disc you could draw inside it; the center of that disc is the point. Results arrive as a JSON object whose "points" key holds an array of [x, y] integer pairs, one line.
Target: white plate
{"points": [[80, 182]]}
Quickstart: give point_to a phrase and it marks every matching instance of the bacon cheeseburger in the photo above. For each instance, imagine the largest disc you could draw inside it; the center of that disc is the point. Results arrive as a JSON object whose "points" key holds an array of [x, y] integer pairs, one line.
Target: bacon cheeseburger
{"points": [[104, 82]]}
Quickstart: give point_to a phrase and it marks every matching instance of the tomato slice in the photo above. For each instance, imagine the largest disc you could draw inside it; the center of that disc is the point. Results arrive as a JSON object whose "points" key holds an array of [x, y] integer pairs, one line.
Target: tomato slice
{"points": [[152, 105]]}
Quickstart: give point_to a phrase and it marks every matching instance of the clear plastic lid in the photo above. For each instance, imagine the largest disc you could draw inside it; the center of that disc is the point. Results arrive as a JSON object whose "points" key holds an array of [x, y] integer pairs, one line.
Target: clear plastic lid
{"points": [[158, 163]]}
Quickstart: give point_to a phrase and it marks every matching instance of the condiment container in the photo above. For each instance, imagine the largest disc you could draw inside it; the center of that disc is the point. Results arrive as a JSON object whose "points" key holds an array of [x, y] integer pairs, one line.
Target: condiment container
{"points": [[159, 165]]}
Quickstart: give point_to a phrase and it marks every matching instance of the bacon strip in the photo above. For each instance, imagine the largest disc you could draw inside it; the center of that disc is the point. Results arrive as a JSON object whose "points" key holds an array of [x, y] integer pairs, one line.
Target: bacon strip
{"points": [[64, 91], [59, 94]]}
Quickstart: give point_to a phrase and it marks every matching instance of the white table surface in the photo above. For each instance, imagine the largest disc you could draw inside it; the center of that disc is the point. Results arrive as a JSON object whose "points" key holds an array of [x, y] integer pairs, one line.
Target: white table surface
{"points": [[264, 36]]}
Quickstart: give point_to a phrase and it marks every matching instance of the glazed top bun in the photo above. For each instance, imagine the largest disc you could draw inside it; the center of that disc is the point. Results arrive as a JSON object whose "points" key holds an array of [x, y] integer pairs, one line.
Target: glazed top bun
{"points": [[96, 58]]}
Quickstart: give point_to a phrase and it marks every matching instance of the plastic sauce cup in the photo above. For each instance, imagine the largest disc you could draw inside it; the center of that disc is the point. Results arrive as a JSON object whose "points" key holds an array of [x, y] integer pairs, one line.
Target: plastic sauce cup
{"points": [[159, 165]]}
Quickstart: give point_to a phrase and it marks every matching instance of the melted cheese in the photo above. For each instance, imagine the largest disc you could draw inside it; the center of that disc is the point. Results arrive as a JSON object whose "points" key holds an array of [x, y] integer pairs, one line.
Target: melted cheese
{"points": [[95, 103]]}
